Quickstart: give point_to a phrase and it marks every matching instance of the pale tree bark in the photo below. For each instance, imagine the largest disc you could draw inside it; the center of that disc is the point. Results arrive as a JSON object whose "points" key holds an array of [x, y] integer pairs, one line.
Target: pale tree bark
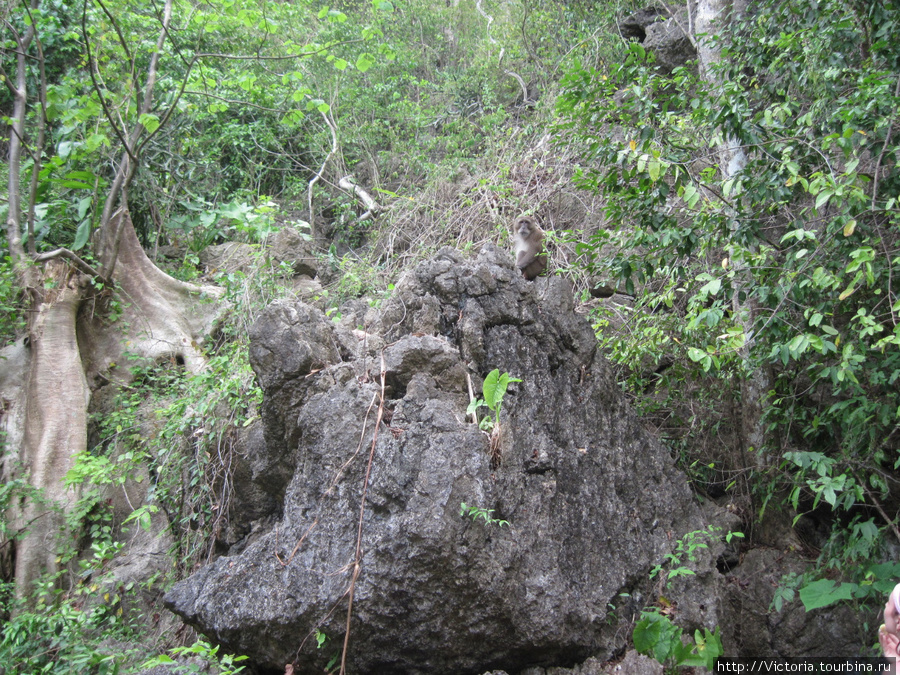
{"points": [[712, 18], [162, 317], [56, 400], [19, 91], [166, 319]]}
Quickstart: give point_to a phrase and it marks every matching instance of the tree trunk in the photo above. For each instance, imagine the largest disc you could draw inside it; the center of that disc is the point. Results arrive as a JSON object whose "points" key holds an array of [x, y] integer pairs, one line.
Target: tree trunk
{"points": [[56, 400], [158, 317], [711, 19], [161, 317]]}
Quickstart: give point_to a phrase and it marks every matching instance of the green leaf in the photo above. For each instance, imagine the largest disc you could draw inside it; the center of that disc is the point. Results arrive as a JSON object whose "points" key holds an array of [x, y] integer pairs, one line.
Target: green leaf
{"points": [[823, 198], [850, 228], [851, 287], [82, 234], [364, 62], [149, 121], [83, 205], [73, 184], [474, 405], [712, 287], [491, 389], [825, 592], [494, 388], [696, 355]]}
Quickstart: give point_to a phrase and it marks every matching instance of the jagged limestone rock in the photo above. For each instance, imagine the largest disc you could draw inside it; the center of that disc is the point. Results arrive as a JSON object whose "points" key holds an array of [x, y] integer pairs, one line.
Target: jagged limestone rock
{"points": [[593, 501]]}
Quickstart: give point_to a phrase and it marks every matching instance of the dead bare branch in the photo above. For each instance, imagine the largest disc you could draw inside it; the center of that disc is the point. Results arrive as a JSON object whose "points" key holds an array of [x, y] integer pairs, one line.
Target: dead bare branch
{"points": [[348, 184], [68, 255], [318, 176]]}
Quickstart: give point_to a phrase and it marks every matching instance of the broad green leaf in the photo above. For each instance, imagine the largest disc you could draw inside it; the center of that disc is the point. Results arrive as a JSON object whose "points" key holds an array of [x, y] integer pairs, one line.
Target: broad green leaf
{"points": [[696, 355], [825, 592], [73, 184], [712, 287], [494, 388], [83, 205], [82, 234], [823, 198], [94, 141], [149, 121], [489, 389], [364, 62]]}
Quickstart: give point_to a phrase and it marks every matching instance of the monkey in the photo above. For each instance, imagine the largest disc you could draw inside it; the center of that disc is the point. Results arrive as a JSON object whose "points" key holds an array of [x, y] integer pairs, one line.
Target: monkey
{"points": [[527, 247]]}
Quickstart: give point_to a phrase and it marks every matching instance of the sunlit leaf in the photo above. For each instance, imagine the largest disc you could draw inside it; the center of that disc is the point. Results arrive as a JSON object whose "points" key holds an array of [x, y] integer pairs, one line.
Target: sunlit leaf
{"points": [[364, 62], [149, 121]]}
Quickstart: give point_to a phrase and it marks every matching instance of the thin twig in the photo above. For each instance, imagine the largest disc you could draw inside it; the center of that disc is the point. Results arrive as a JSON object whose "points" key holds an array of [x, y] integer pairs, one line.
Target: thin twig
{"points": [[362, 509], [891, 523], [318, 176]]}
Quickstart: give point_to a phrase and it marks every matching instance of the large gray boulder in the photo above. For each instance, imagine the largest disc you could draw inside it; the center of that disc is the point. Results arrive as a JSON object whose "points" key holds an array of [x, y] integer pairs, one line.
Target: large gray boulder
{"points": [[593, 502]]}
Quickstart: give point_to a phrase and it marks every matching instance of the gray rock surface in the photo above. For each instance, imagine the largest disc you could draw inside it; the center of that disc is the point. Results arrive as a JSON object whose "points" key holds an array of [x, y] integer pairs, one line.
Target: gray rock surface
{"points": [[232, 256], [592, 500], [289, 246], [631, 664], [664, 34], [670, 43], [753, 628]]}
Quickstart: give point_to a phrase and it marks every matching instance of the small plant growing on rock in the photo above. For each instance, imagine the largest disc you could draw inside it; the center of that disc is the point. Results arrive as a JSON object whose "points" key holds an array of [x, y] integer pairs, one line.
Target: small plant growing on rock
{"points": [[484, 514], [687, 550], [494, 390], [655, 635], [198, 658]]}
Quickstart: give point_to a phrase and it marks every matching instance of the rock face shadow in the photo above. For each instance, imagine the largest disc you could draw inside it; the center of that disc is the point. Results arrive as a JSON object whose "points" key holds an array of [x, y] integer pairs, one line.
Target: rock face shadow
{"points": [[593, 501]]}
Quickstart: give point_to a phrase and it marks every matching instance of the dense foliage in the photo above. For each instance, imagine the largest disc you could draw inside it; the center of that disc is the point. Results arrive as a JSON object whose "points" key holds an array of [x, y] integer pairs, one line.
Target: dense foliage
{"points": [[775, 272], [258, 110], [781, 270]]}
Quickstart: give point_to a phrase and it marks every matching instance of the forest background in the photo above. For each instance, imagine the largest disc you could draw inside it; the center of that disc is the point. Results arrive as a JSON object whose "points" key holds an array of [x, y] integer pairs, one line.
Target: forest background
{"points": [[730, 227]]}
